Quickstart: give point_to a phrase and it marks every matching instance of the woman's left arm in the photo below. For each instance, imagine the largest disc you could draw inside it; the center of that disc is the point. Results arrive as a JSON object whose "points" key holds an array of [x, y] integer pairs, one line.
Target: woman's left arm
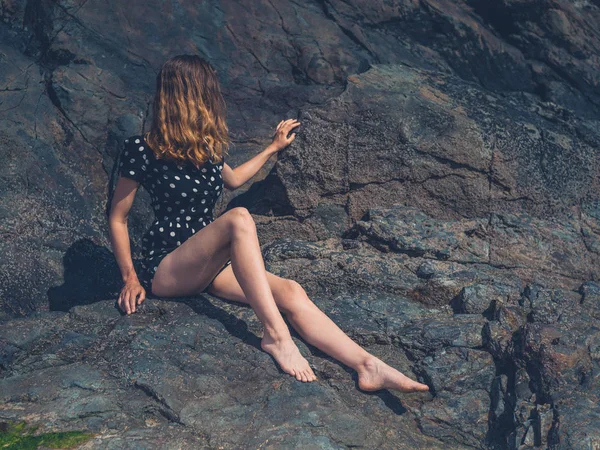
{"points": [[234, 178]]}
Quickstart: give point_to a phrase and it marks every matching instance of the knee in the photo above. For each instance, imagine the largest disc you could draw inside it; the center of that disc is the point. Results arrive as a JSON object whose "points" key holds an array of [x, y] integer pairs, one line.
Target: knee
{"points": [[295, 297], [293, 288], [241, 219]]}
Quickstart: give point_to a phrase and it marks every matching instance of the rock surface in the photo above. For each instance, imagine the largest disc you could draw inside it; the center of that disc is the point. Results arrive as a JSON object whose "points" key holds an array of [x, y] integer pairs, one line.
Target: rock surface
{"points": [[510, 352], [440, 203], [188, 373], [448, 147]]}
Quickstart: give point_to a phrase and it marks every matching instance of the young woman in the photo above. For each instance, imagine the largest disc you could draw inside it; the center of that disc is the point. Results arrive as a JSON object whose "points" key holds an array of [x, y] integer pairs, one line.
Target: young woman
{"points": [[181, 162]]}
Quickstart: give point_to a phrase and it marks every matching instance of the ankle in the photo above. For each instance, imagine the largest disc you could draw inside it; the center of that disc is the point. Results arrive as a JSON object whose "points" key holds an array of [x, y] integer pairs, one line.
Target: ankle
{"points": [[367, 364], [276, 336]]}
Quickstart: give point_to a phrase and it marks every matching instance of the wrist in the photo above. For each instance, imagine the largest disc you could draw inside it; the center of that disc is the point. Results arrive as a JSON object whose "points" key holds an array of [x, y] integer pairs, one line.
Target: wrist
{"points": [[272, 149], [129, 276]]}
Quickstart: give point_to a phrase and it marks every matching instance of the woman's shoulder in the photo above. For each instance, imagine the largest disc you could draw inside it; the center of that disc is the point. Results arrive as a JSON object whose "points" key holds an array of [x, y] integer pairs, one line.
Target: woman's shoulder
{"points": [[137, 142], [135, 139], [135, 159]]}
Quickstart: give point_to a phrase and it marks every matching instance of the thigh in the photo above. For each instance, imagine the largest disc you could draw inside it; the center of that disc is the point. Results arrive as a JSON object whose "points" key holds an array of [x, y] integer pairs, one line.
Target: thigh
{"points": [[286, 293], [189, 268]]}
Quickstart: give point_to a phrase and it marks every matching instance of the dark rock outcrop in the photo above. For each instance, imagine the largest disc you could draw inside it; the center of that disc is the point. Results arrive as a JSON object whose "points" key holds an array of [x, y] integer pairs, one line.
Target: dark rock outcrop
{"points": [[440, 203], [510, 361], [448, 147]]}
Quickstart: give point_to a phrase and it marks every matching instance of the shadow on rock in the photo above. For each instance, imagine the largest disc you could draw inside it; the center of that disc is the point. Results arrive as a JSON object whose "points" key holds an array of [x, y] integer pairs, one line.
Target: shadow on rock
{"points": [[91, 274], [235, 326], [388, 398]]}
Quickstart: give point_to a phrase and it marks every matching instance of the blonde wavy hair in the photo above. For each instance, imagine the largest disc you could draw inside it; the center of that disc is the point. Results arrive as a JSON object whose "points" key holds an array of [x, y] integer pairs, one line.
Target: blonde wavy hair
{"points": [[188, 122]]}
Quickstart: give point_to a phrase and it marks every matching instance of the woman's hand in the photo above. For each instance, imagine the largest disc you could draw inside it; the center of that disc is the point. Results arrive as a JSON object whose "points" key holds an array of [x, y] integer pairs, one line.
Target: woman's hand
{"points": [[127, 298], [280, 139]]}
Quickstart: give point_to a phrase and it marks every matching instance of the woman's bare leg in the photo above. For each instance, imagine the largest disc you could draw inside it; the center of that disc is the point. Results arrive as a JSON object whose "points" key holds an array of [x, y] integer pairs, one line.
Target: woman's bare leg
{"points": [[189, 268], [319, 330]]}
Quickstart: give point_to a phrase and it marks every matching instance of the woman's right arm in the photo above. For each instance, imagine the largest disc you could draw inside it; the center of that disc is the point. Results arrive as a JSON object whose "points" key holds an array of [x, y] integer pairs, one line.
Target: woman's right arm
{"points": [[124, 194]]}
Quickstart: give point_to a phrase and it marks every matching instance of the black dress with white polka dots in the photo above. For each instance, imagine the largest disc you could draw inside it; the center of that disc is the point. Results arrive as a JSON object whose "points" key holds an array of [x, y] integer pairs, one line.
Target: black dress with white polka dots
{"points": [[183, 199]]}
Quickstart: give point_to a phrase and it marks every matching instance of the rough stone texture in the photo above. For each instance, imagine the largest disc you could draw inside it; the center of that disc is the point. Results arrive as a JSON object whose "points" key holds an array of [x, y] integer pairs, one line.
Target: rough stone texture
{"points": [[188, 373], [440, 203], [436, 142], [511, 356]]}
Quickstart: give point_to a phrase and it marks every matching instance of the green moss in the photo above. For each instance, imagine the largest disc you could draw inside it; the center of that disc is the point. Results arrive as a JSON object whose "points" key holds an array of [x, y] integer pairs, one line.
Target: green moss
{"points": [[19, 436]]}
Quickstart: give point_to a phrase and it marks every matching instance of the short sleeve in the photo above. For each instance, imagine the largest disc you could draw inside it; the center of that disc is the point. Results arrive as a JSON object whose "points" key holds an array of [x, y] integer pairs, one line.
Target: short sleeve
{"points": [[134, 160]]}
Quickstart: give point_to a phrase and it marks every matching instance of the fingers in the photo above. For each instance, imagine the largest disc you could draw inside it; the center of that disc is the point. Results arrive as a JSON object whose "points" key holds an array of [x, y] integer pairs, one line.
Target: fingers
{"points": [[132, 300], [126, 298], [282, 131], [287, 124], [130, 297], [123, 301], [290, 123], [142, 296], [282, 123], [286, 127]]}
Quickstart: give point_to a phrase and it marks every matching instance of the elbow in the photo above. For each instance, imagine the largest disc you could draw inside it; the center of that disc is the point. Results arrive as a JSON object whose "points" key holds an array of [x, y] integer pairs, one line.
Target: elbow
{"points": [[113, 214], [115, 218], [231, 185]]}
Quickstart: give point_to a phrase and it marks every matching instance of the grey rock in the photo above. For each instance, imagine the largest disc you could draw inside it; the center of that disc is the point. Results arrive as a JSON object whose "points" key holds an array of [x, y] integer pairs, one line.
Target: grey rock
{"points": [[440, 202]]}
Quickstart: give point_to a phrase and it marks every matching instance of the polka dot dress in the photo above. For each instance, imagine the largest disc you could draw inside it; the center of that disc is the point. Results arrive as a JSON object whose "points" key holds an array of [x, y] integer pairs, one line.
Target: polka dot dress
{"points": [[183, 199]]}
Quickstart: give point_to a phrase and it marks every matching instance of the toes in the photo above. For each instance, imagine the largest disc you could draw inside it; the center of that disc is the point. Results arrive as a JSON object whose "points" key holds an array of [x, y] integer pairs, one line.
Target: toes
{"points": [[310, 375], [305, 375], [301, 376]]}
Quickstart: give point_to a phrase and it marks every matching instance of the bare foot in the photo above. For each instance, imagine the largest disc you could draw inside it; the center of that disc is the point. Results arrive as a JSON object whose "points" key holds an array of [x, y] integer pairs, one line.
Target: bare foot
{"points": [[375, 375], [288, 357]]}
